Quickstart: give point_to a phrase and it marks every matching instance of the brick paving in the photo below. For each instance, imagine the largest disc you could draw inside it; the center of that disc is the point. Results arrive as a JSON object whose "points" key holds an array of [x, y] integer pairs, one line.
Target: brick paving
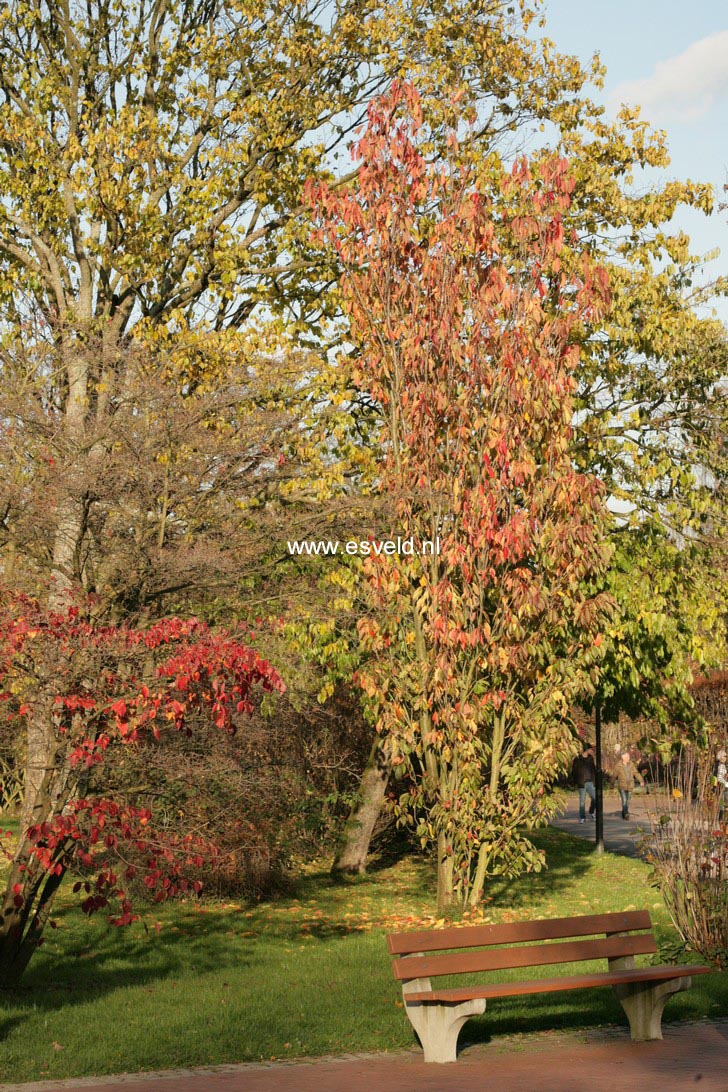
{"points": [[692, 1056]]}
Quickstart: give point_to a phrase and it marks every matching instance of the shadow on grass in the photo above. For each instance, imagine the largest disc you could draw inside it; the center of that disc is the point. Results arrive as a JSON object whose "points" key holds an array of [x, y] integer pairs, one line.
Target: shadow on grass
{"points": [[390, 847], [578, 1010], [573, 1011], [567, 858], [87, 961], [82, 971], [90, 960]]}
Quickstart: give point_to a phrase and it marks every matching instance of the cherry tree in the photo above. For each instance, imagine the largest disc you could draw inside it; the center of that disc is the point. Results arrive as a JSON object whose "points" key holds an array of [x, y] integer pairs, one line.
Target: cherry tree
{"points": [[466, 328]]}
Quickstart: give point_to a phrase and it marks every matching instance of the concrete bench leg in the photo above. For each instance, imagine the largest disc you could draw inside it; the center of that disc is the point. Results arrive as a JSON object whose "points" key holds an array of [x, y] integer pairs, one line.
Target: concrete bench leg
{"points": [[643, 1003], [438, 1025]]}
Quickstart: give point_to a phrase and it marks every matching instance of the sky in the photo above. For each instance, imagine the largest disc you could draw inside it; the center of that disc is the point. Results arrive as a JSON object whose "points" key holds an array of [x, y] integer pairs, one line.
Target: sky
{"points": [[671, 58]]}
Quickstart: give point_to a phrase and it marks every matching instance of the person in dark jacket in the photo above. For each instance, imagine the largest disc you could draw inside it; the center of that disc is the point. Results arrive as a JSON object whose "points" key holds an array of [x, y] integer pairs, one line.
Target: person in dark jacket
{"points": [[584, 774]]}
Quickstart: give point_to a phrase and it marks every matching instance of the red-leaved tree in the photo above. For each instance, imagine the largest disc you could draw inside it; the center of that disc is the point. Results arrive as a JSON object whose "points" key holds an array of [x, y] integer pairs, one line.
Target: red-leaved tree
{"points": [[467, 327], [93, 689]]}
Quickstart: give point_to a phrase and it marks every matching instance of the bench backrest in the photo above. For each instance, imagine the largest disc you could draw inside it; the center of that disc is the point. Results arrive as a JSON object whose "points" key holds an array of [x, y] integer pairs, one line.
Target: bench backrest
{"points": [[477, 947]]}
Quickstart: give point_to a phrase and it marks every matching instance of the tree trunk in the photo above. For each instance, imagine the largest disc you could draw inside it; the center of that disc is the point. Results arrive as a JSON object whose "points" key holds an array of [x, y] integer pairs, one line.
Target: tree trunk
{"points": [[351, 857], [40, 752], [67, 539], [23, 918], [30, 890], [445, 885], [478, 884]]}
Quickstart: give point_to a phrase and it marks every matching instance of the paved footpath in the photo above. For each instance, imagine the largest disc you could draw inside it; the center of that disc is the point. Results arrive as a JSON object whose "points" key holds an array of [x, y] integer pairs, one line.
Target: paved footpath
{"points": [[692, 1056], [620, 835]]}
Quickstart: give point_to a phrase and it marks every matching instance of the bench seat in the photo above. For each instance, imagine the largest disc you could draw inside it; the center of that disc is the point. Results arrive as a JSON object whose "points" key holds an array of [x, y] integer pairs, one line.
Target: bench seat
{"points": [[438, 1013], [554, 985]]}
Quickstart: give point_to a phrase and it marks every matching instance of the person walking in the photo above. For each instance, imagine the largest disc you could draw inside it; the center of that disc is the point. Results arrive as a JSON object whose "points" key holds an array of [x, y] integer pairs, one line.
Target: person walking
{"points": [[627, 774], [584, 775]]}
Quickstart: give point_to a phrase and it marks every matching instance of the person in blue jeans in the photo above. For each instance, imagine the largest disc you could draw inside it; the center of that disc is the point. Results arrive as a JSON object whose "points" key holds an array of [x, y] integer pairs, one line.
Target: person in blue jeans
{"points": [[584, 774]]}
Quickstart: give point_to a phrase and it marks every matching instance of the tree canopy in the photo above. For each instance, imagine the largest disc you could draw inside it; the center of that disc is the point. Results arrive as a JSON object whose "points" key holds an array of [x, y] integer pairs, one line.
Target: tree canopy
{"points": [[182, 390], [476, 647]]}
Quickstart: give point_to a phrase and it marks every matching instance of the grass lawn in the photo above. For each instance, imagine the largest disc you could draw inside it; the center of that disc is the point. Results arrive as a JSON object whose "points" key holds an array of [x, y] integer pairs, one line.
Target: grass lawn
{"points": [[208, 983]]}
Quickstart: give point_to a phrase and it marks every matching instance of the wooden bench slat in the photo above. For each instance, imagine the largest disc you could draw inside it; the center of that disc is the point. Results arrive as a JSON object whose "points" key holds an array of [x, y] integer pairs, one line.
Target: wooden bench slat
{"points": [[553, 985], [493, 959], [479, 936]]}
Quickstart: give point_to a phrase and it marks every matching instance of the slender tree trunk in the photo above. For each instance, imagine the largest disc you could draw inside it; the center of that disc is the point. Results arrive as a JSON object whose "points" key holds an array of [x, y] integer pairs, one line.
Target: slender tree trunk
{"points": [[445, 878], [351, 857], [476, 890], [499, 739]]}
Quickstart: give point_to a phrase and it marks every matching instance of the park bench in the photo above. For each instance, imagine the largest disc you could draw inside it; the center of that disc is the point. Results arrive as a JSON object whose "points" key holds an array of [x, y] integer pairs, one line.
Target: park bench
{"points": [[437, 1014]]}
